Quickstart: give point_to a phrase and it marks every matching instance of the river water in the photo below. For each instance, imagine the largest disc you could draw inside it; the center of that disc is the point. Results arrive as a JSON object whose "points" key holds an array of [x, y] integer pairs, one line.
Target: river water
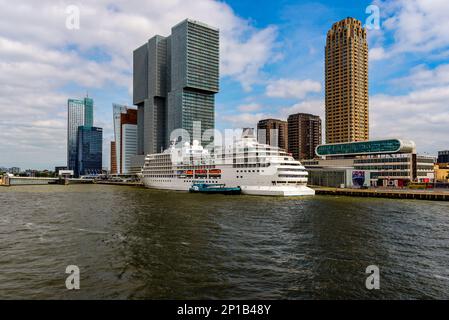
{"points": [[136, 243]]}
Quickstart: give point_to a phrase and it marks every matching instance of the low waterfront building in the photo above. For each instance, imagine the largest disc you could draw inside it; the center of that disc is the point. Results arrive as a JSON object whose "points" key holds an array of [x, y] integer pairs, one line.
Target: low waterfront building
{"points": [[339, 177], [66, 173], [12, 170], [60, 168], [391, 162], [442, 172]]}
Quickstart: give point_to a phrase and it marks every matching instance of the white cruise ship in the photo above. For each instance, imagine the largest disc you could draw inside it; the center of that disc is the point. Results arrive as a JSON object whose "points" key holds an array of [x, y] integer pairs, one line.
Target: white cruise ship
{"points": [[258, 169]]}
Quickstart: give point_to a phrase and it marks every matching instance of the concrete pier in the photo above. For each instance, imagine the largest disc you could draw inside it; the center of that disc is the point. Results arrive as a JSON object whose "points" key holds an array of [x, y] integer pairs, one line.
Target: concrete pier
{"points": [[437, 195], [30, 181], [27, 181], [119, 183]]}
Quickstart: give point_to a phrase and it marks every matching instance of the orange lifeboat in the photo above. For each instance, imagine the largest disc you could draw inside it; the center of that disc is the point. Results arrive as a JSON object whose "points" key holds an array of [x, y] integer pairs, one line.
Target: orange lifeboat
{"points": [[214, 172], [200, 172], [189, 172]]}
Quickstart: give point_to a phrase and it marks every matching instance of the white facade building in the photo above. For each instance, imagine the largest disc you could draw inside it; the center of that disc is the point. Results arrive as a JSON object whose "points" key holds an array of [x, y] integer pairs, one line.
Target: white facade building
{"points": [[117, 110], [129, 146]]}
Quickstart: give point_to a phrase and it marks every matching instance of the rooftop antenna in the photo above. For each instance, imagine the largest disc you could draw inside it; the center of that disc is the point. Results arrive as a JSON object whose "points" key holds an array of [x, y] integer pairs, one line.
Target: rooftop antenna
{"points": [[87, 93]]}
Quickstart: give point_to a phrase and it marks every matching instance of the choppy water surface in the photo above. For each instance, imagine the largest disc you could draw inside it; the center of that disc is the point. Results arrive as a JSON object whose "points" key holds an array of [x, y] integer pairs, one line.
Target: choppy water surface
{"points": [[132, 243]]}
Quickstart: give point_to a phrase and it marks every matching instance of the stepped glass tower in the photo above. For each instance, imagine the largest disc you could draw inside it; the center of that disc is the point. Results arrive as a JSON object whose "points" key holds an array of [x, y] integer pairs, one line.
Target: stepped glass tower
{"points": [[175, 82]]}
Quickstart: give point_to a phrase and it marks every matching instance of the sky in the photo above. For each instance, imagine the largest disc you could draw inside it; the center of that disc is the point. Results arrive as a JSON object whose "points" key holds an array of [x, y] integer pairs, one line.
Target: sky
{"points": [[271, 65]]}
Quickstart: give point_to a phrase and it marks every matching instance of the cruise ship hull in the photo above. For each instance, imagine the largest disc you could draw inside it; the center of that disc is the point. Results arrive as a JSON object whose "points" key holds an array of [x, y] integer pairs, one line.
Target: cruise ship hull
{"points": [[255, 168], [281, 191]]}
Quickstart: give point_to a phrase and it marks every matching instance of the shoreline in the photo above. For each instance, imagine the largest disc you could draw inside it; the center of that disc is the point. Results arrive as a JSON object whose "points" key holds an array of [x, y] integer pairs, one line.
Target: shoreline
{"points": [[384, 193], [432, 195]]}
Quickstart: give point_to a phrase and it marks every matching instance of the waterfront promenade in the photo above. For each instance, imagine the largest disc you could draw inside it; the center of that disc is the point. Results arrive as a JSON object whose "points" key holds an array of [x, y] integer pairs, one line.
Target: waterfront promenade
{"points": [[121, 183], [434, 194]]}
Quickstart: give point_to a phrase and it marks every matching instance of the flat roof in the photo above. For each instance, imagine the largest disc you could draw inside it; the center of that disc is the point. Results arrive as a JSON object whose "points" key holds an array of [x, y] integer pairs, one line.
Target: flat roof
{"points": [[366, 147], [196, 22]]}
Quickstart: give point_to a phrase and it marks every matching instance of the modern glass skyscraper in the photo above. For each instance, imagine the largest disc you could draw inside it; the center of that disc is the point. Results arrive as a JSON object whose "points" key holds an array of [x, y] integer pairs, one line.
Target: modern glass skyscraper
{"points": [[88, 112], [194, 77], [89, 151], [79, 113], [175, 80]]}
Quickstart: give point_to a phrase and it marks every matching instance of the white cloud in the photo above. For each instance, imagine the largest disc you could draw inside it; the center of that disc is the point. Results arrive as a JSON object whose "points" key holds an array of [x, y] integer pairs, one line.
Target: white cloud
{"points": [[249, 107], [314, 106], [249, 119], [423, 76], [378, 53], [244, 49], [290, 88], [244, 60], [244, 120], [416, 25], [40, 59], [421, 115]]}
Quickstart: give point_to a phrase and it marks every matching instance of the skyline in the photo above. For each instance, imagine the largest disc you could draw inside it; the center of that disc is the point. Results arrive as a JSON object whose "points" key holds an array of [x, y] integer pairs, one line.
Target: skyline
{"points": [[407, 71]]}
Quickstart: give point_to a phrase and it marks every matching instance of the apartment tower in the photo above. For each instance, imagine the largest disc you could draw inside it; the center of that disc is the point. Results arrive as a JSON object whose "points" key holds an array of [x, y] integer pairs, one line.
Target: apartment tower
{"points": [[273, 132], [304, 135], [346, 77]]}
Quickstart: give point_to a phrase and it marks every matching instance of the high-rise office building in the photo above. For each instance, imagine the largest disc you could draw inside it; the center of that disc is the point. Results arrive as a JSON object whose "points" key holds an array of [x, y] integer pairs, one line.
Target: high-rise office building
{"points": [[194, 52], [273, 132], [89, 151], [80, 113], [346, 73], [304, 135], [128, 140], [125, 137], [151, 77], [175, 81]]}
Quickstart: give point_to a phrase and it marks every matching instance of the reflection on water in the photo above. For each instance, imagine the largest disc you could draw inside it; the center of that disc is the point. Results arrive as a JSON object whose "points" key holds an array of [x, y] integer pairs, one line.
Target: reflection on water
{"points": [[133, 243]]}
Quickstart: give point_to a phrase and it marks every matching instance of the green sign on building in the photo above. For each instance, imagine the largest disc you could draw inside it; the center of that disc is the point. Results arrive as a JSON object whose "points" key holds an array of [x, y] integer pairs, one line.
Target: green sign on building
{"points": [[365, 147]]}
